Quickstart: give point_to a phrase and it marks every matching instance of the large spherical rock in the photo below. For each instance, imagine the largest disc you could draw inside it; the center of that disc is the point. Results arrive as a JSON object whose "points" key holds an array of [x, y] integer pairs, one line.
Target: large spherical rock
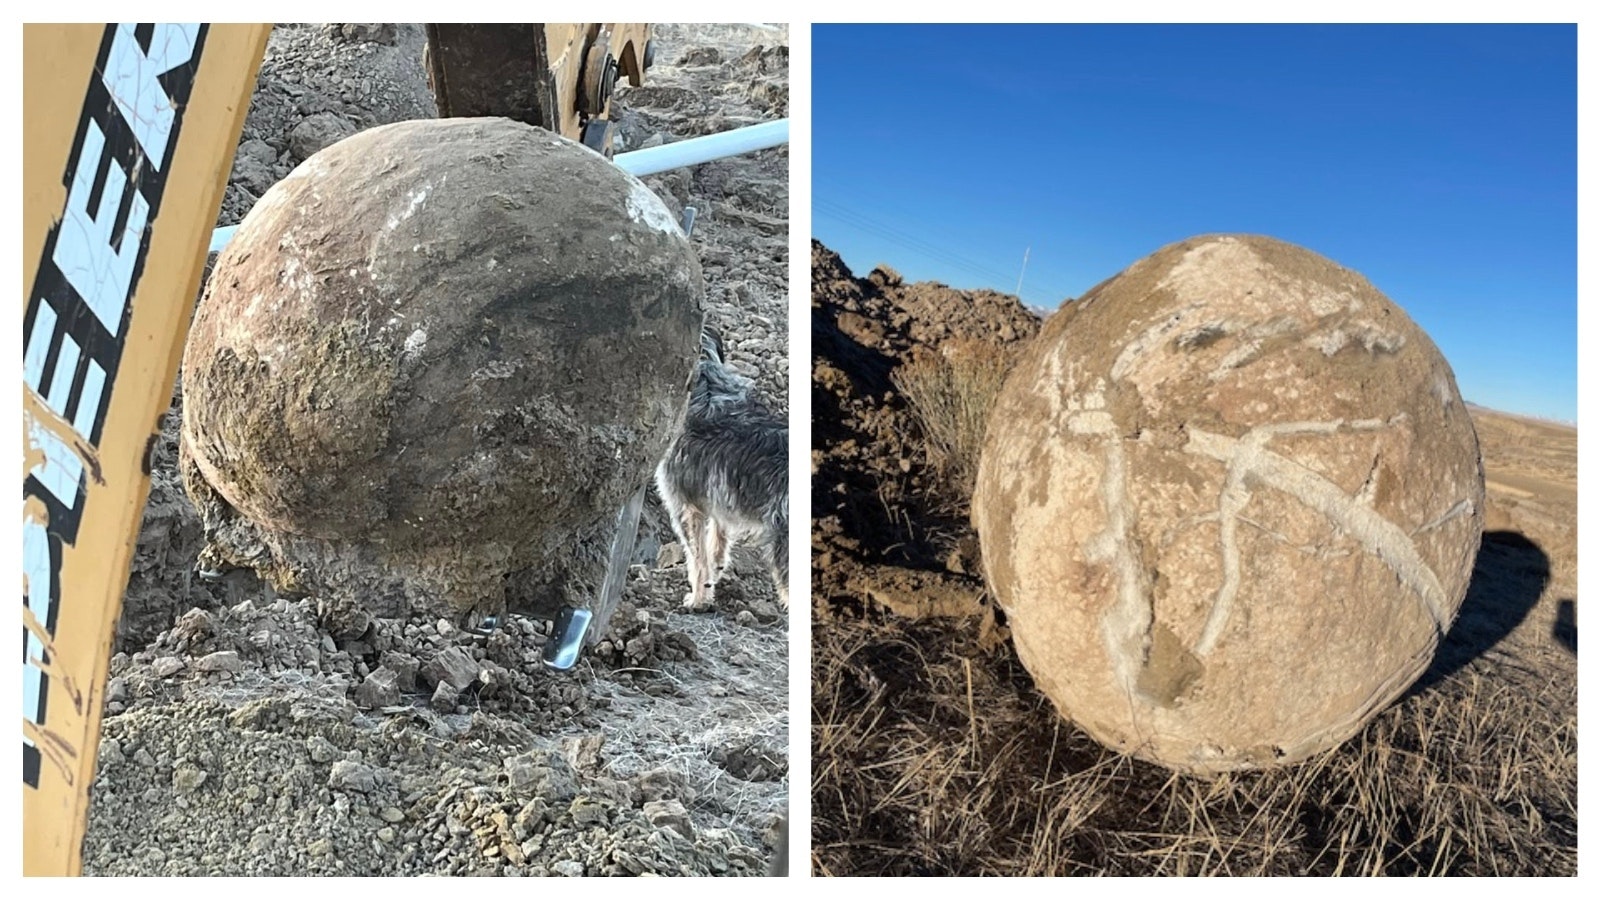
{"points": [[438, 353], [1229, 501]]}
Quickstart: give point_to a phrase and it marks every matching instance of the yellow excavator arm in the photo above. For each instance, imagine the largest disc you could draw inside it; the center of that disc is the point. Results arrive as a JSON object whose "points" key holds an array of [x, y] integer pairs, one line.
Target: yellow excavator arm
{"points": [[130, 139]]}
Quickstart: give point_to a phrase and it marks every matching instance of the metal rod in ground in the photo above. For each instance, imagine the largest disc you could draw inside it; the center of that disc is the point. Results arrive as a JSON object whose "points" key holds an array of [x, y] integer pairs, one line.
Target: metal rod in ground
{"points": [[620, 556]]}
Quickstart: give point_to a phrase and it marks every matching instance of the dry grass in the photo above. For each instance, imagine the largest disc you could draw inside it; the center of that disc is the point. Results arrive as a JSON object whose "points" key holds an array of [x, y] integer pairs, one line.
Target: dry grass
{"points": [[931, 760], [950, 395]]}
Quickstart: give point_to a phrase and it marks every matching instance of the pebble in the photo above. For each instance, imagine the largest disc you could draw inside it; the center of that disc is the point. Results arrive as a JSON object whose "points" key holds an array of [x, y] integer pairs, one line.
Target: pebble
{"points": [[453, 666], [379, 689], [444, 698], [220, 661], [322, 750], [353, 776], [669, 814], [587, 811], [568, 868], [670, 555], [167, 665], [186, 778], [403, 665]]}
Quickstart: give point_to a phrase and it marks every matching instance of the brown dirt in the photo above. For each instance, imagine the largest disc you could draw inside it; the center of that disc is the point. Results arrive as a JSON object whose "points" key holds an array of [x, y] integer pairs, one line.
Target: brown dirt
{"points": [[243, 733], [933, 753]]}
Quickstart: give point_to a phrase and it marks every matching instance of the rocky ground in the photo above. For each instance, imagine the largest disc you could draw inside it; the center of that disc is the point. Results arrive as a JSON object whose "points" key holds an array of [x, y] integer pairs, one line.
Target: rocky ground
{"points": [[247, 733], [933, 753]]}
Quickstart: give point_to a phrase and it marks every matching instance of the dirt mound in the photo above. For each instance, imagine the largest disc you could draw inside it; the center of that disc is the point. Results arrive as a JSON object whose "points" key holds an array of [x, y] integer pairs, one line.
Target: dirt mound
{"points": [[251, 741], [316, 86], [881, 533], [247, 732]]}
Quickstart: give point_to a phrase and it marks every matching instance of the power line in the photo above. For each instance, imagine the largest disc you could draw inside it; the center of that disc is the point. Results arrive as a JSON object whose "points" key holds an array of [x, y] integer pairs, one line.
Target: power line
{"points": [[920, 246], [900, 238]]}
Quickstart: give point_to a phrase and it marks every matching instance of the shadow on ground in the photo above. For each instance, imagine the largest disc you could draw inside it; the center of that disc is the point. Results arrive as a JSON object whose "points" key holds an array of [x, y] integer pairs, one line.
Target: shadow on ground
{"points": [[1508, 577], [1565, 629]]}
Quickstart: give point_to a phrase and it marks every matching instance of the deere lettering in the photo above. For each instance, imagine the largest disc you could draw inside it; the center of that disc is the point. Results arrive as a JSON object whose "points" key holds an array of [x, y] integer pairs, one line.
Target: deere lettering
{"points": [[78, 310]]}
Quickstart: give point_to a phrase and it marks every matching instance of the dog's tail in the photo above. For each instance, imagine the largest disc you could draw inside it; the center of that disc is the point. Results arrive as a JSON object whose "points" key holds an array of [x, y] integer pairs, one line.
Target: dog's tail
{"points": [[711, 345]]}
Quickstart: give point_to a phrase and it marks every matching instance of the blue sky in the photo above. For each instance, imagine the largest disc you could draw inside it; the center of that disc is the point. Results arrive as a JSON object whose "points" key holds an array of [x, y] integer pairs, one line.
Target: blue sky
{"points": [[1439, 161]]}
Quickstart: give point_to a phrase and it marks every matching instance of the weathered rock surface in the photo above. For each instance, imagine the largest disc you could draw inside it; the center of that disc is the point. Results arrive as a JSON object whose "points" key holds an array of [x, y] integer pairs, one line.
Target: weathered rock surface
{"points": [[1230, 501], [438, 353]]}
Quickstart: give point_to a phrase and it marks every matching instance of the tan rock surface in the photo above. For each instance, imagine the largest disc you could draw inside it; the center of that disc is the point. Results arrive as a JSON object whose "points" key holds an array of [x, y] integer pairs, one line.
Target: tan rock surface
{"points": [[1230, 501]]}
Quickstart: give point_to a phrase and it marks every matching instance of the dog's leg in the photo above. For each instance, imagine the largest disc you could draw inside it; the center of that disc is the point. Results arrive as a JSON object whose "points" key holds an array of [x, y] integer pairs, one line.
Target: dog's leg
{"points": [[699, 560], [778, 546], [686, 524], [717, 546], [722, 547]]}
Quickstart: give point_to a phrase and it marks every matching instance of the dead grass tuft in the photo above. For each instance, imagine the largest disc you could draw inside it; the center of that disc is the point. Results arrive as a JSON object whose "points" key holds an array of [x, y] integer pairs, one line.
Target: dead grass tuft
{"points": [[950, 395]]}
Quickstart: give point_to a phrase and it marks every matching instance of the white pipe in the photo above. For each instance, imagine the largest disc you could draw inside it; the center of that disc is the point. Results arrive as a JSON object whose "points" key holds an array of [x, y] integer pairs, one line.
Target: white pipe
{"points": [[704, 149], [651, 160], [221, 237]]}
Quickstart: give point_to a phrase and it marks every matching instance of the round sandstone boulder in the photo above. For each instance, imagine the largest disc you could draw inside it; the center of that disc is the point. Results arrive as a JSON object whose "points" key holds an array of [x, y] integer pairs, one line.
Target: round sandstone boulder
{"points": [[437, 354], [1230, 501]]}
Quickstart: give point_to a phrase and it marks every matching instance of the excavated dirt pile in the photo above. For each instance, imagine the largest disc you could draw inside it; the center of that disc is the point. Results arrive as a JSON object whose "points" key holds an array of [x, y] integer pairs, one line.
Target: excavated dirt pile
{"points": [[883, 532], [249, 731]]}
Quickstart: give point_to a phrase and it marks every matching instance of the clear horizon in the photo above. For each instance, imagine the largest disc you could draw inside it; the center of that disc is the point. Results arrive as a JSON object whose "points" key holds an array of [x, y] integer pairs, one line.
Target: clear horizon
{"points": [[1438, 161]]}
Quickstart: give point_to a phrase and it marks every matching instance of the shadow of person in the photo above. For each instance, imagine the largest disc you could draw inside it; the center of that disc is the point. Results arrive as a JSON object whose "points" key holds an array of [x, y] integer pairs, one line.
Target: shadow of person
{"points": [[1507, 578], [1565, 629]]}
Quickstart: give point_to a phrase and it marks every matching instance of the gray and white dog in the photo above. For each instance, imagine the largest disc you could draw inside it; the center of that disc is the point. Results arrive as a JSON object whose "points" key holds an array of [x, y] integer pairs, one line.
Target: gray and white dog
{"points": [[726, 476]]}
